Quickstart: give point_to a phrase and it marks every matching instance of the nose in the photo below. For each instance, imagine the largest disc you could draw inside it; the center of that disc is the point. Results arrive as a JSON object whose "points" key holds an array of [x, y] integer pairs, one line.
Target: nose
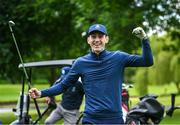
{"points": [[97, 39]]}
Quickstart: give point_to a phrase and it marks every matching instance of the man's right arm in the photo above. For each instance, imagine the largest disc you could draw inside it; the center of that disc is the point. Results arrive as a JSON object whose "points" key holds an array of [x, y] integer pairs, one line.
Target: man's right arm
{"points": [[57, 89]]}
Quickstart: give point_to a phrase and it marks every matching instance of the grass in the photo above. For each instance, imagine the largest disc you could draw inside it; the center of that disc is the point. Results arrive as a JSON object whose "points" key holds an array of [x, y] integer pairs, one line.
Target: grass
{"points": [[157, 89], [10, 93], [172, 120], [8, 118]]}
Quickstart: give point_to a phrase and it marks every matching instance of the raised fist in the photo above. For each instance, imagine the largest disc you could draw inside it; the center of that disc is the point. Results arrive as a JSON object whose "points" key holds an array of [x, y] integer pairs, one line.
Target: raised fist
{"points": [[139, 32]]}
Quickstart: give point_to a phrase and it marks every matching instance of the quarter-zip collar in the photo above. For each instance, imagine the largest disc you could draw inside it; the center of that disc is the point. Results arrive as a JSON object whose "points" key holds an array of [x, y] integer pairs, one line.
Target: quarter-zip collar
{"points": [[99, 56]]}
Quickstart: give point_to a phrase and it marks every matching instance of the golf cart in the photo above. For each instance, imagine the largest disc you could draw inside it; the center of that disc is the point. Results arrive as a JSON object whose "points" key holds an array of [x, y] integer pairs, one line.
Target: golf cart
{"points": [[22, 108]]}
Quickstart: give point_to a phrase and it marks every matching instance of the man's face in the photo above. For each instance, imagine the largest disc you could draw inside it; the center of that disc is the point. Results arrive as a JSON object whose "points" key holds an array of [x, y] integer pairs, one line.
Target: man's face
{"points": [[97, 41]]}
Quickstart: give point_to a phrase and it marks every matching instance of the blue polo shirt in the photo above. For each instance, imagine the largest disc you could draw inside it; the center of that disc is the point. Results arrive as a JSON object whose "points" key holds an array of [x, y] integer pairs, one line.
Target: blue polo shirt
{"points": [[102, 77]]}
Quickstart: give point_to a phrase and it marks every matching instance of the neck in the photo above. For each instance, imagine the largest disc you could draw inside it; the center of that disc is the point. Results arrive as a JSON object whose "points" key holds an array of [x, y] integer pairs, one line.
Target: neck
{"points": [[98, 52]]}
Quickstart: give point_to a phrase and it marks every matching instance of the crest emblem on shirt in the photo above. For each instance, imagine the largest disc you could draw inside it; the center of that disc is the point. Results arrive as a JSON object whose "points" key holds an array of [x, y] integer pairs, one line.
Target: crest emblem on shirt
{"points": [[73, 89]]}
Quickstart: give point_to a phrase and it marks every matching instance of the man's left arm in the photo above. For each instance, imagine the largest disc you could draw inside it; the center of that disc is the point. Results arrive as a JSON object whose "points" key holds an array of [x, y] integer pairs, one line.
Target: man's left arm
{"points": [[144, 60]]}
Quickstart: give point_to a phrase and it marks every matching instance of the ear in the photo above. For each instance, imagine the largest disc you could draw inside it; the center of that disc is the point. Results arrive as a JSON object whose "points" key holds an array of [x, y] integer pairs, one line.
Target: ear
{"points": [[88, 40], [107, 39]]}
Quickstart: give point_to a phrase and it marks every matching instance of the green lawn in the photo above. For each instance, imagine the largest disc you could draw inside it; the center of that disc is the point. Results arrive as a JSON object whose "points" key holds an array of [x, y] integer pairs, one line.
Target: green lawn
{"points": [[8, 118], [11, 92], [157, 89]]}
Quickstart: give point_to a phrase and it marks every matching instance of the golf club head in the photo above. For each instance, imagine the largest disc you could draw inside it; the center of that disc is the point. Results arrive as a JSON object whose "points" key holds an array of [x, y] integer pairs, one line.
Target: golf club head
{"points": [[11, 23]]}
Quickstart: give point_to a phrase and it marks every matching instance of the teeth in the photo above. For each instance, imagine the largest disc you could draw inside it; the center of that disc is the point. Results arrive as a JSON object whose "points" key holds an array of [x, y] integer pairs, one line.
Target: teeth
{"points": [[97, 43]]}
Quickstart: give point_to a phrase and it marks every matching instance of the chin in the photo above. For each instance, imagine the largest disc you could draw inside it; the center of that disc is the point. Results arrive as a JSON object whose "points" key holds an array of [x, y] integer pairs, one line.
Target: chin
{"points": [[97, 50]]}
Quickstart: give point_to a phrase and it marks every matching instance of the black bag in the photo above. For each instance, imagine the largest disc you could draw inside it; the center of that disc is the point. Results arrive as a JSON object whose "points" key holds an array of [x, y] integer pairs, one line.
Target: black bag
{"points": [[147, 109]]}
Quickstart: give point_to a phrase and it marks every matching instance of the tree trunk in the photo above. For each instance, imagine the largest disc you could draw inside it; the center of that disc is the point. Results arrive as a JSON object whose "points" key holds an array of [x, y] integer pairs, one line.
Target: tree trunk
{"points": [[53, 76]]}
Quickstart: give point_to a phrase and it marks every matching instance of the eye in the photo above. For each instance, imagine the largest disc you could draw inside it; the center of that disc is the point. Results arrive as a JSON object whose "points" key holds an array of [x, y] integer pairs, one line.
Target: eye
{"points": [[93, 36], [100, 36]]}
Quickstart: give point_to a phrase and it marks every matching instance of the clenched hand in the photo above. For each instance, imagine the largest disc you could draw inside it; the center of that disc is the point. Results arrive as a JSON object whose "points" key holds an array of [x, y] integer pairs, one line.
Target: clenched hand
{"points": [[34, 93]]}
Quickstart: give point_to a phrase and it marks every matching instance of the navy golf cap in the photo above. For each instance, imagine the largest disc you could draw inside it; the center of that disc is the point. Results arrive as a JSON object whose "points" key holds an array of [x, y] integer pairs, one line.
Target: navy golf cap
{"points": [[65, 70], [97, 27]]}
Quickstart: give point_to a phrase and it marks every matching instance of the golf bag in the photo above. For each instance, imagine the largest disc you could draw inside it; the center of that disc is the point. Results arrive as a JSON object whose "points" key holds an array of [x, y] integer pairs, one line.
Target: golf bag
{"points": [[125, 99], [21, 110], [125, 103], [147, 111]]}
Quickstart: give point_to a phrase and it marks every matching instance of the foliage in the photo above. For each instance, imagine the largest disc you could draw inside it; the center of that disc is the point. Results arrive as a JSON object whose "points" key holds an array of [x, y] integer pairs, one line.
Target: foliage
{"points": [[47, 30], [164, 75], [141, 81], [166, 60], [175, 69], [161, 14]]}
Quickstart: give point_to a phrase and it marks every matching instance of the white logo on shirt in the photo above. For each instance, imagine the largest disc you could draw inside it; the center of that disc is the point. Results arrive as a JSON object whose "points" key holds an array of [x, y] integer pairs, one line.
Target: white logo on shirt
{"points": [[73, 89]]}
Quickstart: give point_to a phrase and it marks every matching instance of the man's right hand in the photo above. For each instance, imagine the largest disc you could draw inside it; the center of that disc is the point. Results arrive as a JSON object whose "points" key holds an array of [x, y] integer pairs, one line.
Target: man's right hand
{"points": [[34, 93]]}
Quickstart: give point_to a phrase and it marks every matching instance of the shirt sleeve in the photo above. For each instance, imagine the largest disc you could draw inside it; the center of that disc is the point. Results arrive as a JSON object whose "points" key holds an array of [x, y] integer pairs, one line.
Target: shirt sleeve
{"points": [[144, 60], [63, 85]]}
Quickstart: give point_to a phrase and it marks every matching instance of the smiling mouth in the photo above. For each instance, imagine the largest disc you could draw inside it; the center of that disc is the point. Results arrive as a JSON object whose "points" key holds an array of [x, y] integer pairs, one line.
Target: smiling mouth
{"points": [[97, 46]]}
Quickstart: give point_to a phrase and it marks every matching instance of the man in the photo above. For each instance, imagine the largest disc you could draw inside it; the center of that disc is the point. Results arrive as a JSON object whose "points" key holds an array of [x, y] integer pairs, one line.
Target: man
{"points": [[68, 109], [102, 73]]}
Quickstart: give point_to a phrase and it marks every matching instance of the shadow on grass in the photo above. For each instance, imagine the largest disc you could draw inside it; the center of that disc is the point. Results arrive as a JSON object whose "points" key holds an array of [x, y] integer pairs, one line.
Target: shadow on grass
{"points": [[7, 118]]}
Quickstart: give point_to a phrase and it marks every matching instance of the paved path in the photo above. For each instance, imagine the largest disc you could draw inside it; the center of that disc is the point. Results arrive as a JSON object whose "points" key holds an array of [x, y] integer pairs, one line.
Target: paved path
{"points": [[4, 110]]}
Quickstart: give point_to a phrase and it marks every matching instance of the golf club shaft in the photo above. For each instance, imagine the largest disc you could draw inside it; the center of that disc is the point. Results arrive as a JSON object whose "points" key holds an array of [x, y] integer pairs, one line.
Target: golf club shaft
{"points": [[14, 39], [25, 72]]}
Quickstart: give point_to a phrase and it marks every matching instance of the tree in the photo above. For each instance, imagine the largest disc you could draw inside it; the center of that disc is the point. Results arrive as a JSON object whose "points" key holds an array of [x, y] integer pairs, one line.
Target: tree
{"points": [[175, 69], [141, 81], [166, 66], [44, 29], [163, 73], [162, 15]]}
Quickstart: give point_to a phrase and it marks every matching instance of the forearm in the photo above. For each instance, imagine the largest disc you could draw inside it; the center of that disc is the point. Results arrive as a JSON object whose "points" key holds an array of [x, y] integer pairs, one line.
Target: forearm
{"points": [[52, 91], [61, 86], [144, 60], [147, 56]]}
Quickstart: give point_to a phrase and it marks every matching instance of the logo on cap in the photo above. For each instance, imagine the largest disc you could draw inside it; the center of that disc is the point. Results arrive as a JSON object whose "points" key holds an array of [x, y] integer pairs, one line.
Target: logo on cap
{"points": [[97, 26], [63, 72]]}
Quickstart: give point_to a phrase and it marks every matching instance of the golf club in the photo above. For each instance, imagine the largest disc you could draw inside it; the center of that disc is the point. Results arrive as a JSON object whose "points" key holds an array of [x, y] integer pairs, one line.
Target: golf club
{"points": [[11, 24]]}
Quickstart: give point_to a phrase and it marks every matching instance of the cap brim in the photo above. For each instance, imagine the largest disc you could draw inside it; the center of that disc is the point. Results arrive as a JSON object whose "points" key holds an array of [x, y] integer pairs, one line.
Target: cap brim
{"points": [[97, 31]]}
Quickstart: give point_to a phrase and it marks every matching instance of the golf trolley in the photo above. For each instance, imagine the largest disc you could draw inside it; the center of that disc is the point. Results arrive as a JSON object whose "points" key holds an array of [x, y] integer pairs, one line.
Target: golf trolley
{"points": [[147, 111], [150, 111]]}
